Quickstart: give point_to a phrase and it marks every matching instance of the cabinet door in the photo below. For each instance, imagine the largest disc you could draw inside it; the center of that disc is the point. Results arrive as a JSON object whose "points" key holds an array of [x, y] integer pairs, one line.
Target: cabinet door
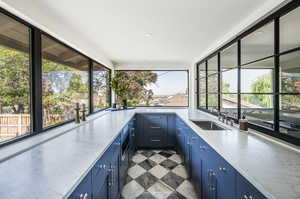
{"points": [[114, 186], [102, 190], [226, 180], [171, 140], [196, 166], [84, 189], [245, 190]]}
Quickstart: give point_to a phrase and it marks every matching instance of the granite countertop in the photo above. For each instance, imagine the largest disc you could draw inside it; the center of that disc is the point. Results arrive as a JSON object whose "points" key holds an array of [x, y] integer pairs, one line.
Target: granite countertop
{"points": [[52, 164]]}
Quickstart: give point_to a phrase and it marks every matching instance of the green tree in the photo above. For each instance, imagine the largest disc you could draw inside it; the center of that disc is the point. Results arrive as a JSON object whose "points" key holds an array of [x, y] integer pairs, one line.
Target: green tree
{"points": [[14, 80], [262, 85], [132, 85], [77, 85]]}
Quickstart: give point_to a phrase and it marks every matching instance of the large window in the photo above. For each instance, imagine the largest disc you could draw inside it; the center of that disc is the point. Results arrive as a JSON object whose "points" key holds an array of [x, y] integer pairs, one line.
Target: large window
{"points": [[101, 89], [156, 88], [257, 77], [289, 114], [42, 80], [65, 81], [15, 119], [229, 100]]}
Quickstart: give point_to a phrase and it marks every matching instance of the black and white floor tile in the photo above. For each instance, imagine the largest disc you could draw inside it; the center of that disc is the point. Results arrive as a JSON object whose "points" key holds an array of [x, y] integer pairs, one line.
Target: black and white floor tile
{"points": [[157, 174]]}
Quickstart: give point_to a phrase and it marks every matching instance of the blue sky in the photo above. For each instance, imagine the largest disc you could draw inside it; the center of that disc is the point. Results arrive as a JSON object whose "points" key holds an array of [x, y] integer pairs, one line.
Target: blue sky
{"points": [[170, 82]]}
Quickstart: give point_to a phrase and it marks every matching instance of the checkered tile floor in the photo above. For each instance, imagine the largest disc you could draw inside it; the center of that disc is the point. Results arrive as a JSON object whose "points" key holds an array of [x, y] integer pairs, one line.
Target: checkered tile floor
{"points": [[157, 174]]}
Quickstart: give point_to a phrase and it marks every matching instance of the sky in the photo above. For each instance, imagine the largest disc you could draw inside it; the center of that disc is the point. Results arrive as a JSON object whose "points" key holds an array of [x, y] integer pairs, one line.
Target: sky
{"points": [[170, 82], [248, 76]]}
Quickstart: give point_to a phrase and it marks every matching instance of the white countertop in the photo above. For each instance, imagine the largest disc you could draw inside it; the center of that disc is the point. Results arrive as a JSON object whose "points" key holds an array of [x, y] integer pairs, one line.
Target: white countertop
{"points": [[51, 165]]}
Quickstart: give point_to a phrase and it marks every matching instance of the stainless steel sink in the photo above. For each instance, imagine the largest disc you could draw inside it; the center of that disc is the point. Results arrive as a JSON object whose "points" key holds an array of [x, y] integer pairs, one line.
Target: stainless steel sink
{"points": [[209, 125]]}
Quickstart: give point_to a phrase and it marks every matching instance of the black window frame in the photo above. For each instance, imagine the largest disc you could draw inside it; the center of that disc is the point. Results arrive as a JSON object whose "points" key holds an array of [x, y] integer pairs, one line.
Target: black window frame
{"points": [[35, 58], [188, 86], [275, 18]]}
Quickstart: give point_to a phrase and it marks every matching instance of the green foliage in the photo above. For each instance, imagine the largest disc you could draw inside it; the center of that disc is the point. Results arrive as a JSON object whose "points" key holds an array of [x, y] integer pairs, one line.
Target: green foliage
{"points": [[262, 85], [131, 85], [14, 80], [76, 85], [225, 87]]}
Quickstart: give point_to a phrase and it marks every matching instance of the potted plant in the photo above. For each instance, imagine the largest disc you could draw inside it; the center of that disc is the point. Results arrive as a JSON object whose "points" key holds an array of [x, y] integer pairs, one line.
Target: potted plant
{"points": [[121, 86]]}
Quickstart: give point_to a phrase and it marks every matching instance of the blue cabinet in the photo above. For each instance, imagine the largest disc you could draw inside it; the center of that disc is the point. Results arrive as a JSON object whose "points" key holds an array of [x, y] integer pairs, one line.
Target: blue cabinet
{"points": [[246, 190], [196, 165], [155, 130], [84, 189], [226, 179], [213, 177]]}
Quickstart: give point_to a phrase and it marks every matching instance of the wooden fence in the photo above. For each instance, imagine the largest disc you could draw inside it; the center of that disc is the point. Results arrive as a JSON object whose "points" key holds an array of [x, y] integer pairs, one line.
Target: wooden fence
{"points": [[13, 125]]}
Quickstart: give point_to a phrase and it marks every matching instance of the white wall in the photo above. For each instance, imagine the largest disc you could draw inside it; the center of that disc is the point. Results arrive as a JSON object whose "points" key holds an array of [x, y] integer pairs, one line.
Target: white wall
{"points": [[53, 25]]}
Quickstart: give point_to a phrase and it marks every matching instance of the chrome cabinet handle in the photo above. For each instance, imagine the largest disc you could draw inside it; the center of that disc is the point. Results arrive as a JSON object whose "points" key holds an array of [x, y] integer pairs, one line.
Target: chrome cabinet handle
{"points": [[155, 127], [101, 166], [222, 169], [83, 196], [155, 140]]}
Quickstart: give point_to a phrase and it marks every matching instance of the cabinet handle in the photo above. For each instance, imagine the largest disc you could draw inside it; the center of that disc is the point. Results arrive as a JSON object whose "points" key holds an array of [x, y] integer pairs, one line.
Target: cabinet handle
{"points": [[202, 147], [223, 169], [85, 196], [155, 140], [155, 127]]}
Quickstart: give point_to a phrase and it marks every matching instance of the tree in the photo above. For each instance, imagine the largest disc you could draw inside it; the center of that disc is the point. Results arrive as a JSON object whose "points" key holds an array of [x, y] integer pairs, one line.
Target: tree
{"points": [[131, 85], [14, 80], [76, 84], [262, 85]]}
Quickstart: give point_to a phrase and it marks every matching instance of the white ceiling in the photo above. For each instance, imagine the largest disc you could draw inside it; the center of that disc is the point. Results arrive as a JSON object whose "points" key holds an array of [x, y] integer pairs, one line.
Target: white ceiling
{"points": [[182, 31]]}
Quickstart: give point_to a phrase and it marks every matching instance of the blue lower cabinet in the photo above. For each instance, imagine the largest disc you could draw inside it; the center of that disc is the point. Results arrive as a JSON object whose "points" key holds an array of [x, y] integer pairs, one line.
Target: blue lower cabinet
{"points": [[113, 183], [101, 186], [153, 130], [84, 189], [196, 166], [226, 179], [246, 190]]}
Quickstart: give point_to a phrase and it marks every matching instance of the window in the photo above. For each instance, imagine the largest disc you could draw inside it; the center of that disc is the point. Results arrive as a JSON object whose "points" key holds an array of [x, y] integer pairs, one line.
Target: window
{"points": [[257, 92], [156, 88], [229, 100], [212, 83], [289, 118], [258, 45], [259, 76], [15, 118], [290, 30], [101, 89], [65, 81], [202, 84]]}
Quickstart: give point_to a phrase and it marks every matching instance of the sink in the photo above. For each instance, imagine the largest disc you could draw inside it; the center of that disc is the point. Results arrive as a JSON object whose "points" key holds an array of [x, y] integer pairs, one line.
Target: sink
{"points": [[209, 125]]}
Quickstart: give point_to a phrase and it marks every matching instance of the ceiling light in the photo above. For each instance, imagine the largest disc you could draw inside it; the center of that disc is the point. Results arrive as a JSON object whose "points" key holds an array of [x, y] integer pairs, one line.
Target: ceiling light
{"points": [[148, 35]]}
